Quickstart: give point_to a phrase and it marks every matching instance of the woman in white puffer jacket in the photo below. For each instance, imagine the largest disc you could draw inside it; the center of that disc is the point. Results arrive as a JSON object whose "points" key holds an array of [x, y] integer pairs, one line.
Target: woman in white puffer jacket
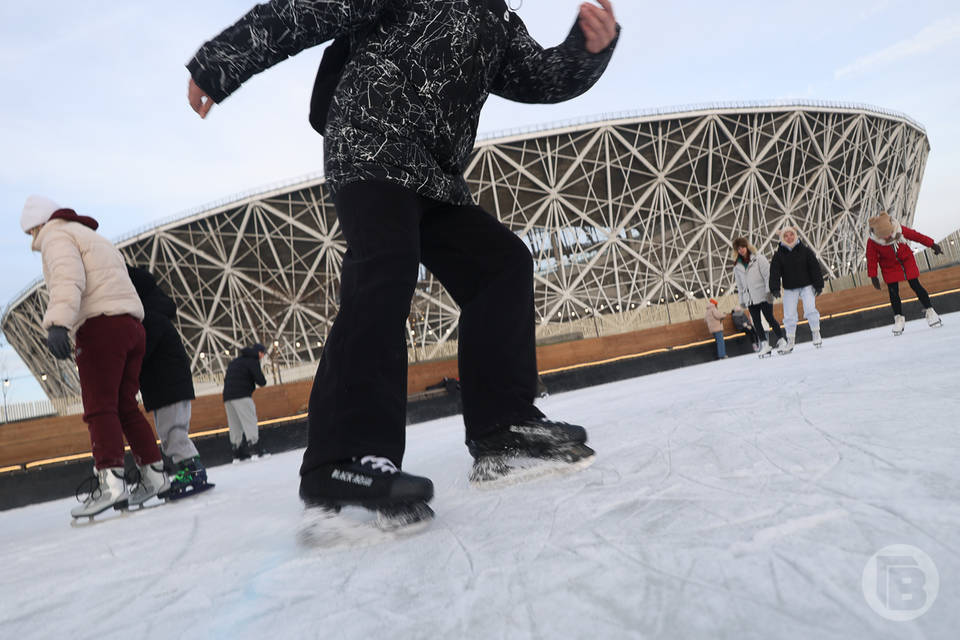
{"points": [[751, 272], [92, 298]]}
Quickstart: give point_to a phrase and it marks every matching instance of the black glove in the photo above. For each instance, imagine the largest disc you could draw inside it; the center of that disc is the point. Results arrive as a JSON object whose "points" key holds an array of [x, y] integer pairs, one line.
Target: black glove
{"points": [[58, 342], [876, 282], [936, 249], [817, 292], [774, 294]]}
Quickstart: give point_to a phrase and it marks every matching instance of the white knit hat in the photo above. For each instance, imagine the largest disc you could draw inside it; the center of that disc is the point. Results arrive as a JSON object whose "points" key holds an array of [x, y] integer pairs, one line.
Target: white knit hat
{"points": [[37, 211]]}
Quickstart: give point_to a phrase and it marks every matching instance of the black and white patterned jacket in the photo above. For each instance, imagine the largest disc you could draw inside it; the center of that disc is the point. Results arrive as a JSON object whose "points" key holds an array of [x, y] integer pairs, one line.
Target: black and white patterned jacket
{"points": [[408, 102]]}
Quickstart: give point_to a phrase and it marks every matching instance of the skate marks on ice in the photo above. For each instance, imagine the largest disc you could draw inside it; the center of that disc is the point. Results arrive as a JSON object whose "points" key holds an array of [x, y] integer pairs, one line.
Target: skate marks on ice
{"points": [[714, 510]]}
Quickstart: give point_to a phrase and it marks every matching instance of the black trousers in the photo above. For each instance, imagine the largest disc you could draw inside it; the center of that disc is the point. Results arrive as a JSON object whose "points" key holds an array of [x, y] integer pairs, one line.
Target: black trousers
{"points": [[893, 288], [766, 309], [359, 397]]}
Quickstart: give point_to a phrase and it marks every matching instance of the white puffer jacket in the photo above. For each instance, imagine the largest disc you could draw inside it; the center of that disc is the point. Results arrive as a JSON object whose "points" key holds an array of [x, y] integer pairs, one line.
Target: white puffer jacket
{"points": [[85, 275], [753, 281]]}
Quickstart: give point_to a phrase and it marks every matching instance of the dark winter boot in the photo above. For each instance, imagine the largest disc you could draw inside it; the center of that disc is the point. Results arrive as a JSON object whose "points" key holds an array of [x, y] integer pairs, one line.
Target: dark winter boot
{"points": [[526, 449], [241, 452], [371, 482]]}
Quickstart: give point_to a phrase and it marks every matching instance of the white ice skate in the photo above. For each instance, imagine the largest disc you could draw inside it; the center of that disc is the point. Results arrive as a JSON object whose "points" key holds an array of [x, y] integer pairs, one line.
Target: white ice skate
{"points": [[898, 322], [766, 350], [817, 340], [152, 481], [785, 346], [933, 319], [110, 491]]}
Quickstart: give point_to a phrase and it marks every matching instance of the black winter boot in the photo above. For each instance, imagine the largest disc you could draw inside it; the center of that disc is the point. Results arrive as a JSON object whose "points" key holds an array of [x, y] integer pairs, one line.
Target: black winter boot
{"points": [[371, 482]]}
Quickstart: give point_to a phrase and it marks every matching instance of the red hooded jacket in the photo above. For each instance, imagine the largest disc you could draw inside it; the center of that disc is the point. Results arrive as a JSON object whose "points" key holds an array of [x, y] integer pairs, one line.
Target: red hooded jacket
{"points": [[895, 258]]}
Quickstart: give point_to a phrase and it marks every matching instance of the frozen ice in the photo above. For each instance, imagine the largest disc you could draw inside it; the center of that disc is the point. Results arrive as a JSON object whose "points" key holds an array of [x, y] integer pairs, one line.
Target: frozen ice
{"points": [[735, 499]]}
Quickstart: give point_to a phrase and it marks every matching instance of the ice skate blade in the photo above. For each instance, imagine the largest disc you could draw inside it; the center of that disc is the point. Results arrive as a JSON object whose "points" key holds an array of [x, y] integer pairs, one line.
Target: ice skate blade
{"points": [[503, 471], [326, 528], [190, 491]]}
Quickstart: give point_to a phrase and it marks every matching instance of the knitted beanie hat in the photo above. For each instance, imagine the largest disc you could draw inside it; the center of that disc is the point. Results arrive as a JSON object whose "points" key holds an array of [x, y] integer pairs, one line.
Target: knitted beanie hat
{"points": [[37, 211]]}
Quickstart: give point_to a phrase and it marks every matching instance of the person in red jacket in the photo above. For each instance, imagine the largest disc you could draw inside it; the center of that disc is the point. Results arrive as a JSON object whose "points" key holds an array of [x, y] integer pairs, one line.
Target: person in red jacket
{"points": [[888, 248]]}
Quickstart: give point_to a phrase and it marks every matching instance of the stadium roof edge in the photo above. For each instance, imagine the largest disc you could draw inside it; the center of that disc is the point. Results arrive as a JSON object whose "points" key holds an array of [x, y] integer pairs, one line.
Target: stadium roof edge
{"points": [[690, 110]]}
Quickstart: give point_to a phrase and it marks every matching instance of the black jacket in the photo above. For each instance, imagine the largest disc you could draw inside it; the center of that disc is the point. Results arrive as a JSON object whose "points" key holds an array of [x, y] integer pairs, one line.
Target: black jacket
{"points": [[797, 267], [165, 376], [243, 375], [408, 101]]}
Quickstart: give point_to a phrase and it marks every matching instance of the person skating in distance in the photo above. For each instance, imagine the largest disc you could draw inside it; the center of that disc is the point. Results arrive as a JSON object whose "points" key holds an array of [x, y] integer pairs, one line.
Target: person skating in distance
{"points": [[797, 267], [166, 386], [889, 249], [751, 272], [398, 130]]}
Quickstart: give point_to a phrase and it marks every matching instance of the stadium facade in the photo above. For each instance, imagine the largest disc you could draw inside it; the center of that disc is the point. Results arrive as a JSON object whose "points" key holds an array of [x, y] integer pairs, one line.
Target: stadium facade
{"points": [[623, 215]]}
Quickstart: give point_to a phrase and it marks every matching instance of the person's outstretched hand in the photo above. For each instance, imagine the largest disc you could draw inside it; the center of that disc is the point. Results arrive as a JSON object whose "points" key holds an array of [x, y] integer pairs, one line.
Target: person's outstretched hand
{"points": [[598, 25], [199, 100], [936, 249]]}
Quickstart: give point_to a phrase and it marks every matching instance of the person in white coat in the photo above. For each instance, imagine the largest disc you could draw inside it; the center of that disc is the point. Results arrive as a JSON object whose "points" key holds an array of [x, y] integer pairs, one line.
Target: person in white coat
{"points": [[93, 300], [751, 272]]}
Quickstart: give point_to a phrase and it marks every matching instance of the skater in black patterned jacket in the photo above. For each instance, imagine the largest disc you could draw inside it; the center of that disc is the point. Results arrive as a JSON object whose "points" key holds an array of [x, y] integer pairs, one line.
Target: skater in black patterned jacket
{"points": [[399, 129]]}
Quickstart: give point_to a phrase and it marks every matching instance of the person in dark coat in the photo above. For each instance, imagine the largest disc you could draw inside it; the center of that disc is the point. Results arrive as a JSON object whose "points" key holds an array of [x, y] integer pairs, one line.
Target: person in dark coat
{"points": [[888, 247], [743, 322], [241, 379], [398, 134], [797, 267], [166, 385]]}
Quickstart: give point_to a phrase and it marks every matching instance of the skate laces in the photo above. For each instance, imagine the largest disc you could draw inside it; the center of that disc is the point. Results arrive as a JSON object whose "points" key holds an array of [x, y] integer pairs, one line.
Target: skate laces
{"points": [[89, 487], [379, 464]]}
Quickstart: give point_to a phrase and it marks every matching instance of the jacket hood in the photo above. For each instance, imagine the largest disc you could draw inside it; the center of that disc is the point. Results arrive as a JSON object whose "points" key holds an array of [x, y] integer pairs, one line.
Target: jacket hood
{"points": [[796, 233], [882, 227], [253, 350], [736, 255], [67, 215]]}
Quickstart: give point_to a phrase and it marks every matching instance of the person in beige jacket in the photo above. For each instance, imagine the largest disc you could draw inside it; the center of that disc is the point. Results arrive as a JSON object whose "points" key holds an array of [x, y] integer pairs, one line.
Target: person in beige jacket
{"points": [[93, 300], [714, 320]]}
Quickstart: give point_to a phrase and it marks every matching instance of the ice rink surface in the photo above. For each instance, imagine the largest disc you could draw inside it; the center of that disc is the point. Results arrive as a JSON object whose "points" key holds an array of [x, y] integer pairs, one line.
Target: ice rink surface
{"points": [[736, 499]]}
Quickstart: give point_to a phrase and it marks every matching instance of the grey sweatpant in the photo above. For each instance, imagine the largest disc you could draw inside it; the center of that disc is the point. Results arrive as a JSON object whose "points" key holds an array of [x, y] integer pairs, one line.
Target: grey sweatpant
{"points": [[173, 427], [242, 420]]}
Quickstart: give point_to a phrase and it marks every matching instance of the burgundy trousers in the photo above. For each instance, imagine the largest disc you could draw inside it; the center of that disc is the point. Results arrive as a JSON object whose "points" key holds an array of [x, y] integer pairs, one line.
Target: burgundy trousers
{"points": [[109, 354]]}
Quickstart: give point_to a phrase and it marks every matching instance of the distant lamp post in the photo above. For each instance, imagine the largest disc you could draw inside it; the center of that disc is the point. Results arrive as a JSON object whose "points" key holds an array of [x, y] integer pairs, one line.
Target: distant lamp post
{"points": [[6, 387]]}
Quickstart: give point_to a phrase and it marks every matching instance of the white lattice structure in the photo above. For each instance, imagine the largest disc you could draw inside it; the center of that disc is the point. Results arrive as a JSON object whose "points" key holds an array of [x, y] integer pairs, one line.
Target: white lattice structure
{"points": [[623, 215]]}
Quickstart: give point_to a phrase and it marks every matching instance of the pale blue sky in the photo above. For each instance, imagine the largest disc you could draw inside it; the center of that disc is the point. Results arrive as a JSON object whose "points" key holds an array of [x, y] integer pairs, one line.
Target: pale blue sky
{"points": [[93, 111]]}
